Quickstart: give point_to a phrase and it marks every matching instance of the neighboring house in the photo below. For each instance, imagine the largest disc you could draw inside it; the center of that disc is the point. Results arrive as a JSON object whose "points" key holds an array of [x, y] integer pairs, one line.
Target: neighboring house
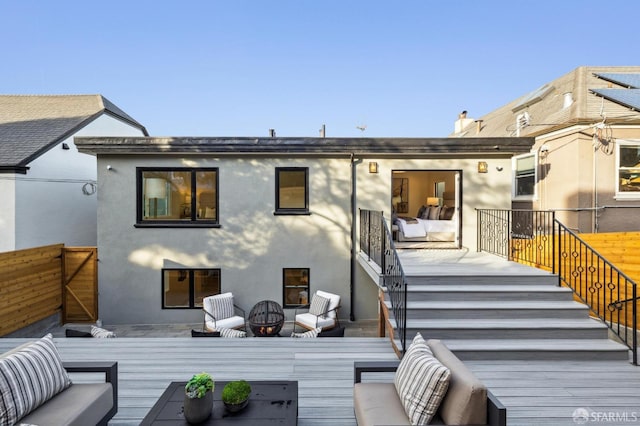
{"points": [[585, 163], [268, 218], [47, 187]]}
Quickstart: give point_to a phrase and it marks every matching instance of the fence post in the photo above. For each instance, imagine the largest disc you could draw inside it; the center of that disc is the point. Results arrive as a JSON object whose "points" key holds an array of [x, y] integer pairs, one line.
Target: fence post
{"points": [[634, 311]]}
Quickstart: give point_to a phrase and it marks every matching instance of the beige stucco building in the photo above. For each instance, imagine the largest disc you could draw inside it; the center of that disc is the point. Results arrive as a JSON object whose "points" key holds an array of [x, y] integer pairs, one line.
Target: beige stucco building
{"points": [[585, 163]]}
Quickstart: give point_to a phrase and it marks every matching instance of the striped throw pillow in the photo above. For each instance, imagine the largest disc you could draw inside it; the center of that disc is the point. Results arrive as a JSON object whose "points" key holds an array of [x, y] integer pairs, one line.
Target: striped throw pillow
{"points": [[319, 305], [307, 334], [230, 332], [101, 333], [29, 377], [221, 306], [421, 382]]}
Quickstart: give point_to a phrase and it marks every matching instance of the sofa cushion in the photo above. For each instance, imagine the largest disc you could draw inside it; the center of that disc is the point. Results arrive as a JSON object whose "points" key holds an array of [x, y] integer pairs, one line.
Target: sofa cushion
{"points": [[378, 404], [334, 302], [466, 399], [220, 306], [29, 377], [421, 382], [80, 405]]}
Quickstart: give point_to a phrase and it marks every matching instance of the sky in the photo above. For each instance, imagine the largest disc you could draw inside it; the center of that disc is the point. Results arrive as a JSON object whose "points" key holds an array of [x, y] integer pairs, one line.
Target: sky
{"points": [[240, 67]]}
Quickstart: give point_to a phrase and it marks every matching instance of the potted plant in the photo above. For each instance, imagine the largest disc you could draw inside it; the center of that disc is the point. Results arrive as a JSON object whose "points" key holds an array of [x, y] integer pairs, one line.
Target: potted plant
{"points": [[235, 395], [198, 398]]}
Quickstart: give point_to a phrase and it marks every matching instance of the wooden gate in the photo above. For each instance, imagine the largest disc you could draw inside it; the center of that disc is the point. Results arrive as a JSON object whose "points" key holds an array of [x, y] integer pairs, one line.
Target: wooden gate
{"points": [[80, 284]]}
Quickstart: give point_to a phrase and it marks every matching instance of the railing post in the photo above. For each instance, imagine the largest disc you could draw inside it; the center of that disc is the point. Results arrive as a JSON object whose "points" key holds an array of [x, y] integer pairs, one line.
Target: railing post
{"points": [[553, 242], [634, 311]]}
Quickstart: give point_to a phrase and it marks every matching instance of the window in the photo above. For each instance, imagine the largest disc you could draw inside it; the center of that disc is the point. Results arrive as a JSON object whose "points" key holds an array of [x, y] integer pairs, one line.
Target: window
{"points": [[628, 166], [296, 287], [292, 190], [185, 288], [524, 185], [179, 196]]}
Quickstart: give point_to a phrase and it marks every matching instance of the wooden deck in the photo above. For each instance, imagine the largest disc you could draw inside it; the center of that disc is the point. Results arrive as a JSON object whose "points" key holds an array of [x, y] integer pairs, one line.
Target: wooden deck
{"points": [[535, 392]]}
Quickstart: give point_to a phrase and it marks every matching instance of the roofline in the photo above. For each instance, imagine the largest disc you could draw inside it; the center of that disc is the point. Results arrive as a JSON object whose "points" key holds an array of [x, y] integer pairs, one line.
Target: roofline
{"points": [[402, 147], [131, 122], [73, 130], [22, 170]]}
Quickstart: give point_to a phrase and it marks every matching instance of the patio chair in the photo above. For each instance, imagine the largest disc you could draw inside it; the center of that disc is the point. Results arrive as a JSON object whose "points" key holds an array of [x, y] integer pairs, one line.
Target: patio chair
{"points": [[221, 312], [323, 312]]}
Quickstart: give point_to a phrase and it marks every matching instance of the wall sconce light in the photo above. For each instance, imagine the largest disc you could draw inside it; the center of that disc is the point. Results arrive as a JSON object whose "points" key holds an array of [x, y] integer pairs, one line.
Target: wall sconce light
{"points": [[483, 167], [65, 145], [373, 167]]}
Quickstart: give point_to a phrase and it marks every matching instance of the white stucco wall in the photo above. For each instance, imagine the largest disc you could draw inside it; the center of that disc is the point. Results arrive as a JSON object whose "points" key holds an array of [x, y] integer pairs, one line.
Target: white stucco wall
{"points": [[7, 212], [50, 205], [251, 247]]}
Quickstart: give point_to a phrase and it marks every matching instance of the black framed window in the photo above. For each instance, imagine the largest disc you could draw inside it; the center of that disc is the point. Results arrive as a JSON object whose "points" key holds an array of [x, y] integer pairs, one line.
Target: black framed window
{"points": [[185, 288], [177, 196], [295, 285], [292, 190]]}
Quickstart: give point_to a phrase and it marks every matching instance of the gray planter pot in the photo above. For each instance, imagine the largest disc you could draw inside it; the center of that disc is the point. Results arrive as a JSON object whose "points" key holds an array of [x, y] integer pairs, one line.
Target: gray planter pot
{"points": [[197, 410]]}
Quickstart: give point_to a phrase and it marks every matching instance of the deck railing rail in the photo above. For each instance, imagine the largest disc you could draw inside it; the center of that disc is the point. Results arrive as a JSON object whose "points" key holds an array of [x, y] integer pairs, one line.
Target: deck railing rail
{"points": [[539, 239], [377, 243]]}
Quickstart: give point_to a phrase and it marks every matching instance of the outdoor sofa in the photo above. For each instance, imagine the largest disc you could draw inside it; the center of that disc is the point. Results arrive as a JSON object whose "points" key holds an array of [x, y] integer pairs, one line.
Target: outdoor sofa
{"points": [[39, 390], [466, 401]]}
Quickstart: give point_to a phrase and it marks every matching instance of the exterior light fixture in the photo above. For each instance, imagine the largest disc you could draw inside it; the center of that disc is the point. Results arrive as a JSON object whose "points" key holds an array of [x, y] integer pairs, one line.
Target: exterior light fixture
{"points": [[65, 145], [373, 167], [483, 167]]}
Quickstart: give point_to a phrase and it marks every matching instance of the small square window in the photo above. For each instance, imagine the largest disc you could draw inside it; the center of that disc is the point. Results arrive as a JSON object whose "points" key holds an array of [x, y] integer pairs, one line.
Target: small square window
{"points": [[292, 190]]}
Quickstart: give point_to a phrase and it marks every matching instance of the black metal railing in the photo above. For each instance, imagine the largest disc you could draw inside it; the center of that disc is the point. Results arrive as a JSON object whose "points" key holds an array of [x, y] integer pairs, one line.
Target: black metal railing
{"points": [[377, 243], [538, 238], [610, 293], [520, 235]]}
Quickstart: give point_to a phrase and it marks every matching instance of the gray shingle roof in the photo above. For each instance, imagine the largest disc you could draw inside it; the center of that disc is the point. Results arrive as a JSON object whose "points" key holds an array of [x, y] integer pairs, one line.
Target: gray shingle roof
{"points": [[32, 124]]}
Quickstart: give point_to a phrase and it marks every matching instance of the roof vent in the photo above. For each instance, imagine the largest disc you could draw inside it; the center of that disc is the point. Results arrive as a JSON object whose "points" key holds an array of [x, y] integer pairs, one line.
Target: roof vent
{"points": [[522, 121]]}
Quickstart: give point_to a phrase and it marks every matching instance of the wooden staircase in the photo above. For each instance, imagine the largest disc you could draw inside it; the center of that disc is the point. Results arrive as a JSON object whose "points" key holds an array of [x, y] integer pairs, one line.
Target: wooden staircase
{"points": [[485, 309]]}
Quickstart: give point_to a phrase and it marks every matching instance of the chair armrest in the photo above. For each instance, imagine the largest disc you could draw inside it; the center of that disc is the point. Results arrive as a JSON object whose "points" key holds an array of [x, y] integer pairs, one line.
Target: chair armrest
{"points": [[110, 370], [360, 367], [496, 412], [239, 310]]}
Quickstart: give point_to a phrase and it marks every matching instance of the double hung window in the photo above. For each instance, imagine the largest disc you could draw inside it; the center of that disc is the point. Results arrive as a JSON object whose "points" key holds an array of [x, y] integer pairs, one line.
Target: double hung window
{"points": [[525, 174], [295, 287], [628, 168], [177, 196]]}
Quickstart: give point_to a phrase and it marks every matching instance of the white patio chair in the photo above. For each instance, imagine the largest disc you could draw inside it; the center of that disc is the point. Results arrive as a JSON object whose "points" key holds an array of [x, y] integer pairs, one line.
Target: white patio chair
{"points": [[221, 312], [323, 312]]}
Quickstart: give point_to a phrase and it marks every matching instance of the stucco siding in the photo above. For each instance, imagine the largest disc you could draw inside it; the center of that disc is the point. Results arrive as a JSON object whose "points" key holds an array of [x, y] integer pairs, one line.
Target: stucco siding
{"points": [[7, 212], [251, 247]]}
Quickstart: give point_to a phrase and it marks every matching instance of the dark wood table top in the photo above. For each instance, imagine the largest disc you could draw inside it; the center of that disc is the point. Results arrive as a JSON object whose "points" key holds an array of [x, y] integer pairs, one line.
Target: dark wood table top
{"points": [[272, 402]]}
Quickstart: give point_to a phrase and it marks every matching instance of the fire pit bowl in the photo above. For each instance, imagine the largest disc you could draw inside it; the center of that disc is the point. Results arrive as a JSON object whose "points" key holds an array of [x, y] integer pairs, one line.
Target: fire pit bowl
{"points": [[266, 318]]}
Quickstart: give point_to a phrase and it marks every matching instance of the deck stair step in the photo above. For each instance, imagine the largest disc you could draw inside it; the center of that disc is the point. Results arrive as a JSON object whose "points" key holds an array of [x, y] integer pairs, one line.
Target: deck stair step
{"points": [[538, 328], [483, 279], [535, 349], [469, 292], [492, 309]]}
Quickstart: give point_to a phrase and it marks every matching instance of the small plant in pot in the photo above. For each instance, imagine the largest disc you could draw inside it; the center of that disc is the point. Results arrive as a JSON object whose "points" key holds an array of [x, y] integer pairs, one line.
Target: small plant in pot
{"points": [[235, 395], [198, 398]]}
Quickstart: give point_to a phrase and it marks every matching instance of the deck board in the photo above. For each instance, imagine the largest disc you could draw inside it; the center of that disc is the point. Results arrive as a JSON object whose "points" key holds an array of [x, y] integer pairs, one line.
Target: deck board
{"points": [[534, 392]]}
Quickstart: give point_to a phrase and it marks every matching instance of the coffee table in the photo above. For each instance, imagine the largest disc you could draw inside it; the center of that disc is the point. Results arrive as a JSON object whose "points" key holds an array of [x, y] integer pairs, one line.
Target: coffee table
{"points": [[271, 403]]}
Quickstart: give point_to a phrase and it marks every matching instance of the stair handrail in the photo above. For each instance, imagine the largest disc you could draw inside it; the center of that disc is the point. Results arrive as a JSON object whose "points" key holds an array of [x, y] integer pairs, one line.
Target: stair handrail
{"points": [[376, 241], [583, 269]]}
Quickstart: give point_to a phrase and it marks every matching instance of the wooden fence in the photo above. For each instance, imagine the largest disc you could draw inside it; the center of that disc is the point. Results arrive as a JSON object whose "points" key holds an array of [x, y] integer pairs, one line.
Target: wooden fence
{"points": [[34, 284]]}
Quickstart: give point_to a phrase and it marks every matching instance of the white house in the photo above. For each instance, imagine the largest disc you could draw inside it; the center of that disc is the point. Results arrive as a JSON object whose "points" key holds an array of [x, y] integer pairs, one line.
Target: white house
{"points": [[270, 218], [47, 188]]}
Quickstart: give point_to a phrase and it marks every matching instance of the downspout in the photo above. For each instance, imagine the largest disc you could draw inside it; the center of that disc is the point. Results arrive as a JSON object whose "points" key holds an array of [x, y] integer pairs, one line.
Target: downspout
{"points": [[352, 281]]}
